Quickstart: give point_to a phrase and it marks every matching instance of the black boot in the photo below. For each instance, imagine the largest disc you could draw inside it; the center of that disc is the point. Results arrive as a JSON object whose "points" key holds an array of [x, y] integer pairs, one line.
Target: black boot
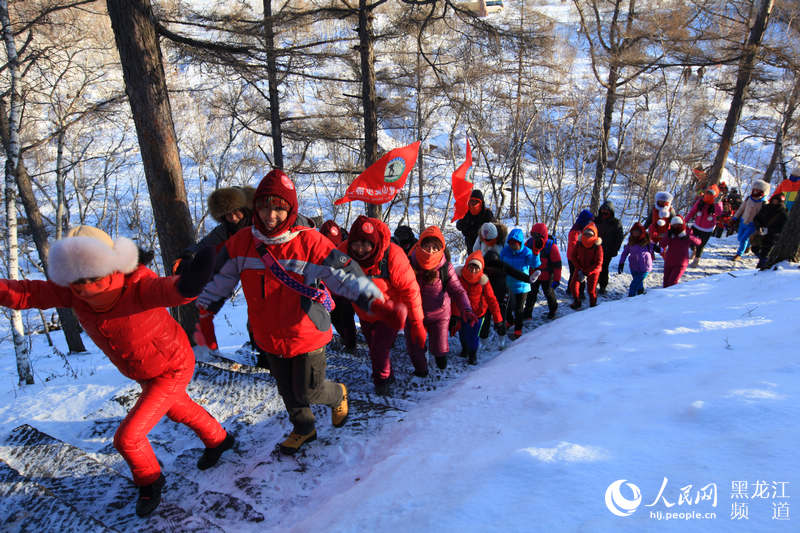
{"points": [[473, 357], [149, 497], [211, 455], [441, 361]]}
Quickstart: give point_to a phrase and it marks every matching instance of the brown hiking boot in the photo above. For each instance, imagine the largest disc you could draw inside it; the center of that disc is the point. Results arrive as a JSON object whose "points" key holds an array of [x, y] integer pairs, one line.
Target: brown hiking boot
{"points": [[339, 413], [296, 440]]}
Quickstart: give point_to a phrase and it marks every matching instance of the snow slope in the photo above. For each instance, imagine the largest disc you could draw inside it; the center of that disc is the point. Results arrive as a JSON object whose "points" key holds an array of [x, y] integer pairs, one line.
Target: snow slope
{"points": [[692, 387]]}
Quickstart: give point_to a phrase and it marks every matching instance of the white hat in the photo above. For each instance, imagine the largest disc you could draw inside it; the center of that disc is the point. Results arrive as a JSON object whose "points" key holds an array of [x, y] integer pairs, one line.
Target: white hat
{"points": [[89, 252], [488, 231], [675, 221]]}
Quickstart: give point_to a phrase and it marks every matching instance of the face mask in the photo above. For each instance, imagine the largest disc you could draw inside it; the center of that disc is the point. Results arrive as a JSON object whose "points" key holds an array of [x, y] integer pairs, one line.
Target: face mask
{"points": [[709, 198], [475, 208], [428, 260], [471, 277], [103, 294], [539, 243]]}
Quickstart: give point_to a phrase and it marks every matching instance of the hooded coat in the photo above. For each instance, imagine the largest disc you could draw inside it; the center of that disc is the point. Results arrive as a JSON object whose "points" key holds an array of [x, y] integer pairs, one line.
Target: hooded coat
{"points": [[588, 260], [610, 230], [703, 216], [523, 260], [470, 224], [480, 293], [551, 261], [388, 267]]}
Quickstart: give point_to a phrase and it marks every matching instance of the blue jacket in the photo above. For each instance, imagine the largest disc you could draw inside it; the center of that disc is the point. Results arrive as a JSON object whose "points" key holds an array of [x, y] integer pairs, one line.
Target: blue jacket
{"points": [[524, 260]]}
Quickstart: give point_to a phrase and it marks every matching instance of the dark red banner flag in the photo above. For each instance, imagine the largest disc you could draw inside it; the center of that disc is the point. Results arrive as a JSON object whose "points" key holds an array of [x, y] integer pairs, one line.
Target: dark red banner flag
{"points": [[462, 186]]}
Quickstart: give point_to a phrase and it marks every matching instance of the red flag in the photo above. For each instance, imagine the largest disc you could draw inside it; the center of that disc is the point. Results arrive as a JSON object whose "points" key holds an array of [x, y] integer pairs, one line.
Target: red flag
{"points": [[462, 186], [380, 182]]}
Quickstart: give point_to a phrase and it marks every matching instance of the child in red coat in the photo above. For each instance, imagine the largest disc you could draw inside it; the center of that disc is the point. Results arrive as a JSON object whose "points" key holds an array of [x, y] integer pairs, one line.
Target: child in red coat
{"points": [[483, 301], [587, 257], [121, 305]]}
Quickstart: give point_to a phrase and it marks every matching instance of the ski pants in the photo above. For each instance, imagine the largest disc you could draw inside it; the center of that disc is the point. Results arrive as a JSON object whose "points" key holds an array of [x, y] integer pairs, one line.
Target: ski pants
{"points": [[301, 382], [515, 309], [576, 289], [380, 339], [744, 233], [704, 236], [343, 320], [438, 343], [572, 271], [469, 334], [673, 273], [602, 279], [637, 283], [549, 293], [162, 395]]}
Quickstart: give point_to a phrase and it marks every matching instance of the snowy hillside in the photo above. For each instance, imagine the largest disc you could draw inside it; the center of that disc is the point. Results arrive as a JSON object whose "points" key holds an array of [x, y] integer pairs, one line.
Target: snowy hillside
{"points": [[692, 388]]}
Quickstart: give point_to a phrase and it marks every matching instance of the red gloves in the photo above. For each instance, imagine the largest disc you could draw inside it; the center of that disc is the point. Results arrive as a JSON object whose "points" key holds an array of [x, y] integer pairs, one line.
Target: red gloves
{"points": [[393, 314], [418, 334], [470, 317], [204, 330]]}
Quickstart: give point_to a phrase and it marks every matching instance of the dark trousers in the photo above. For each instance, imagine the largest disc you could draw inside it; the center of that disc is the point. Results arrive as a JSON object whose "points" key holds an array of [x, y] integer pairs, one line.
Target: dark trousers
{"points": [[602, 280], [549, 293], [514, 309], [704, 236], [301, 382], [343, 319]]}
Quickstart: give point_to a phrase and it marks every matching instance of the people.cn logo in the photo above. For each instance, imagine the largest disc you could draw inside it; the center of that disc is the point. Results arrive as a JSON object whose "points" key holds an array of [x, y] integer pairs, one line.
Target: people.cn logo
{"points": [[619, 504]]}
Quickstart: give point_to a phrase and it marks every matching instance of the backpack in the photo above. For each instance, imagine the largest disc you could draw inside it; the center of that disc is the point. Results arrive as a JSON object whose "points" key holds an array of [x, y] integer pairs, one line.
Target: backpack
{"points": [[548, 246]]}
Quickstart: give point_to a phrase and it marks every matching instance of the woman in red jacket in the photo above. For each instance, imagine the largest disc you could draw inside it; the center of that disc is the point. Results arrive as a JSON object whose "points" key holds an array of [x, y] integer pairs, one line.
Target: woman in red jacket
{"points": [[121, 306], [386, 264], [286, 271], [587, 257]]}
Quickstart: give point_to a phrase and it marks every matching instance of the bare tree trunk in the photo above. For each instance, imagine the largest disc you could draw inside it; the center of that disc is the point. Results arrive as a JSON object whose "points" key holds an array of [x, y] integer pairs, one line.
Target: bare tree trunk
{"points": [[272, 80], [602, 156], [145, 85], [69, 324], [788, 245], [368, 98], [420, 159], [739, 96], [24, 369], [788, 116]]}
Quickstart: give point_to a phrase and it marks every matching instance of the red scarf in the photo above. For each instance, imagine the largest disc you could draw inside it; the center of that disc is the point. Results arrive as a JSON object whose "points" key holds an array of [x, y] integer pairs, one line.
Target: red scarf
{"points": [[101, 295]]}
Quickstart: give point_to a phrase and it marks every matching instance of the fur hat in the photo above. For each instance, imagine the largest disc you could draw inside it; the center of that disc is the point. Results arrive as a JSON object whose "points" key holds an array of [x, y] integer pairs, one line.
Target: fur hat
{"points": [[663, 196], [761, 185], [675, 221], [89, 252], [228, 199], [488, 231]]}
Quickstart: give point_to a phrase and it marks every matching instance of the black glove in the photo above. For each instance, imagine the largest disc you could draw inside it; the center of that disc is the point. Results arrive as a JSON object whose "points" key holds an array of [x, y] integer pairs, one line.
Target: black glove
{"points": [[454, 326], [196, 274], [500, 328]]}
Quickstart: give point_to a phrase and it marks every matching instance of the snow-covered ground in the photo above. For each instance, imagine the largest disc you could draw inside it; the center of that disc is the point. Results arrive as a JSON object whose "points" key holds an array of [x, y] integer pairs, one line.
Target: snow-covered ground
{"points": [[678, 403]]}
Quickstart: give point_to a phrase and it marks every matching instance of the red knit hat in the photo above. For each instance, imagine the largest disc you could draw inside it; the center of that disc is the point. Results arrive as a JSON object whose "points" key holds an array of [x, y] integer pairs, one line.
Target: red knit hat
{"points": [[369, 230], [276, 183], [332, 231]]}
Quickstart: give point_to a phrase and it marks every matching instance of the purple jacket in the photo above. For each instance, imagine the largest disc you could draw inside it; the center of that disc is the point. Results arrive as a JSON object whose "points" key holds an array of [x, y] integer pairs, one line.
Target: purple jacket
{"points": [[641, 257], [435, 300], [704, 218], [676, 249]]}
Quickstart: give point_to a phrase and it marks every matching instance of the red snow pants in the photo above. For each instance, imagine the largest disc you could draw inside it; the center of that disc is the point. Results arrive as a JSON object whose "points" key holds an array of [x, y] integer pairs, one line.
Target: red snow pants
{"points": [[380, 339], [163, 395], [591, 287]]}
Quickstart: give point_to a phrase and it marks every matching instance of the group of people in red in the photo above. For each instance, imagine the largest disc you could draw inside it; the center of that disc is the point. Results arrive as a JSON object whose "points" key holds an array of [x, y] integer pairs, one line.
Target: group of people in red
{"points": [[297, 280]]}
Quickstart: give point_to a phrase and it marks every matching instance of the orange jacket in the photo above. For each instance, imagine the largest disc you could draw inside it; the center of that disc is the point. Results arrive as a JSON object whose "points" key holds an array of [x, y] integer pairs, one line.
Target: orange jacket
{"points": [[481, 295]]}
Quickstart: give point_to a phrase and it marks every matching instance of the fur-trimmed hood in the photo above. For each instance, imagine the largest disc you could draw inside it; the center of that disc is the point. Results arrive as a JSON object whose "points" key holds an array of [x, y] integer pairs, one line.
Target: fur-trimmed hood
{"points": [[228, 199], [79, 257]]}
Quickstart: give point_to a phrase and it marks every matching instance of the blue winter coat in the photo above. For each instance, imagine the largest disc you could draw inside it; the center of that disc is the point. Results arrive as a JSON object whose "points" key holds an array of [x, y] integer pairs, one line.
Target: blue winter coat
{"points": [[524, 260]]}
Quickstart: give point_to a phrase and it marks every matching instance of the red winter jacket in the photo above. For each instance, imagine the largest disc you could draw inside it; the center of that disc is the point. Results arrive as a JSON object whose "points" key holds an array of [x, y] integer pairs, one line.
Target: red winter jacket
{"points": [[395, 278], [285, 323], [588, 260], [138, 334], [481, 297]]}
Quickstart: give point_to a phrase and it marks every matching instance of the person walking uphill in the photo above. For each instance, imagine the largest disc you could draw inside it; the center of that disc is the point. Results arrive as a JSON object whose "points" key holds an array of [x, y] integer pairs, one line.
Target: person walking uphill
{"points": [[525, 260], [705, 212], [769, 221], [387, 265], [657, 222], [611, 234], [476, 216], [641, 253], [573, 237], [286, 270], [121, 306], [587, 257], [483, 302], [550, 278], [675, 249], [746, 215], [438, 284], [789, 188]]}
